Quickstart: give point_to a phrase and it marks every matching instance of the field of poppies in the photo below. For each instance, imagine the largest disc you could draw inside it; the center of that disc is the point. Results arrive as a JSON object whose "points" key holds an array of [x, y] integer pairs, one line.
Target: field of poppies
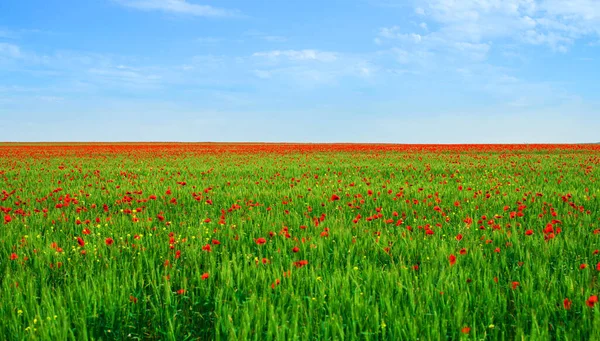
{"points": [[299, 242]]}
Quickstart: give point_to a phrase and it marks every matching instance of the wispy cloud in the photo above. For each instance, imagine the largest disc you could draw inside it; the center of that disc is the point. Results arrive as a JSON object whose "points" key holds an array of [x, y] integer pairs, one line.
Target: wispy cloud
{"points": [[266, 37], [208, 40], [179, 7], [553, 23], [9, 50], [298, 55], [7, 34]]}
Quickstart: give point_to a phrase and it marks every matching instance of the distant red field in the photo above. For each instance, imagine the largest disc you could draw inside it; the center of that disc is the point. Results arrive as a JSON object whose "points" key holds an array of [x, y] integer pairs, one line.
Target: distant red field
{"points": [[55, 149]]}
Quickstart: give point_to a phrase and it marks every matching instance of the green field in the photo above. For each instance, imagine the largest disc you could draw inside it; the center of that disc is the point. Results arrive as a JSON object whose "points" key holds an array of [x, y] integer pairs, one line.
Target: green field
{"points": [[299, 242]]}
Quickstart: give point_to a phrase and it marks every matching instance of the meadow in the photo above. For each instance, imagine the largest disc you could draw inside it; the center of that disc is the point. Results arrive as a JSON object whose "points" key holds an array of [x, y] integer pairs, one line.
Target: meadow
{"points": [[299, 242]]}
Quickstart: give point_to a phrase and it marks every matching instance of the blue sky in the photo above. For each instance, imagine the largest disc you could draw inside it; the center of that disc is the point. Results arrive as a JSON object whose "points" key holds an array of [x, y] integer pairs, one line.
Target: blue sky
{"points": [[422, 71]]}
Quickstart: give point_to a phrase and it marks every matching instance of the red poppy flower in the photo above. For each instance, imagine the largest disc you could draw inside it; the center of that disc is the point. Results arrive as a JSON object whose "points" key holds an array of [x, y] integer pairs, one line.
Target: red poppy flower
{"points": [[261, 241], [206, 248], [598, 266], [205, 276], [300, 263], [592, 301], [334, 197], [86, 231], [7, 219], [529, 232], [181, 291], [459, 237], [216, 242], [567, 303], [452, 260], [465, 330], [583, 266], [514, 285], [177, 254], [463, 251], [109, 241], [80, 241], [14, 256], [295, 249], [133, 299]]}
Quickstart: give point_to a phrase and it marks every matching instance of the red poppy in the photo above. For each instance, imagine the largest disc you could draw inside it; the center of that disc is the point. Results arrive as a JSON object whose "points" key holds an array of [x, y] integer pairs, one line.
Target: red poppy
{"points": [[514, 285], [206, 248], [177, 254], [261, 241], [452, 260], [592, 301], [205, 276], [109, 241], [465, 330], [300, 263], [133, 299], [582, 266], [14, 256], [334, 197], [463, 251], [216, 242], [181, 291], [295, 249], [529, 232], [459, 237], [567, 303], [80, 241], [7, 219], [86, 231], [598, 266]]}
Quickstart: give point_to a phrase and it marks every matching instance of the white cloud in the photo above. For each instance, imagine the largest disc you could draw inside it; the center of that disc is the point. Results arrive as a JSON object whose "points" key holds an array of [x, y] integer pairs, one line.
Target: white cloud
{"points": [[298, 55], [262, 74], [266, 37], [9, 50], [7, 34], [179, 7], [555, 41], [394, 32], [275, 39], [125, 75], [554, 23], [208, 40]]}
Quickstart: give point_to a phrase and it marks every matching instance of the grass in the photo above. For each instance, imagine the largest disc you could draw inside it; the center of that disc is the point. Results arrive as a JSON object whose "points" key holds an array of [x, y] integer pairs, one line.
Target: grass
{"points": [[380, 276]]}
